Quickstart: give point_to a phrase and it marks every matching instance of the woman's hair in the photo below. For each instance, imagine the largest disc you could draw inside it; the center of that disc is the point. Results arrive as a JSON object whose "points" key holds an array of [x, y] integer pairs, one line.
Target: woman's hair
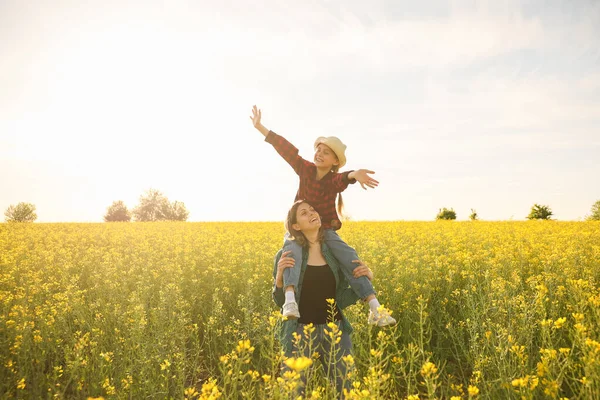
{"points": [[295, 234]]}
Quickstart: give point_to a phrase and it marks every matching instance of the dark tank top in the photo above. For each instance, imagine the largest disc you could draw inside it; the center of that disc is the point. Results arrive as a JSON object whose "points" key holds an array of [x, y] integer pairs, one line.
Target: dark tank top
{"points": [[318, 285]]}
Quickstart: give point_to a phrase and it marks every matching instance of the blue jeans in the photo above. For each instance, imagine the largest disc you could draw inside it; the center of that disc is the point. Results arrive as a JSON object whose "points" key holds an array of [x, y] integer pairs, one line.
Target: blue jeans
{"points": [[341, 251], [334, 366]]}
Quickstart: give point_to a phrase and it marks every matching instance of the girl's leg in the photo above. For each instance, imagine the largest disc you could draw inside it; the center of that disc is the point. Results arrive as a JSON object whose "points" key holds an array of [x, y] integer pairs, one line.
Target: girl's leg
{"points": [[346, 255], [362, 286], [291, 277]]}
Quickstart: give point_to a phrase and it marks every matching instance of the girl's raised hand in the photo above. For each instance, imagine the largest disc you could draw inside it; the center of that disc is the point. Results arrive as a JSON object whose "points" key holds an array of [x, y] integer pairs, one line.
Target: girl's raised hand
{"points": [[256, 115], [362, 270], [362, 176]]}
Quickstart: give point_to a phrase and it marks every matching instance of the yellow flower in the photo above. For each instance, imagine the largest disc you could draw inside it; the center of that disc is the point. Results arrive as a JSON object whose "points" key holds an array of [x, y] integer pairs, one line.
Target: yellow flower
{"points": [[578, 317], [376, 353], [473, 390], [428, 368], [21, 385], [309, 329], [190, 392], [164, 365], [541, 369], [519, 382], [559, 322], [580, 327], [349, 360], [210, 390], [244, 345], [298, 364]]}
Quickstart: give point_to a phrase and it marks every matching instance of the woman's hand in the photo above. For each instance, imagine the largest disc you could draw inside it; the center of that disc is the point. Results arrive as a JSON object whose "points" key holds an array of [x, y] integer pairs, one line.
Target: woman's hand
{"points": [[361, 176], [284, 262], [362, 270]]}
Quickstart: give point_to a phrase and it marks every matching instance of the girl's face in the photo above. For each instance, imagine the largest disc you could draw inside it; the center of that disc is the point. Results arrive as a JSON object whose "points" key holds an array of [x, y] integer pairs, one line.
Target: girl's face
{"points": [[306, 218], [325, 157]]}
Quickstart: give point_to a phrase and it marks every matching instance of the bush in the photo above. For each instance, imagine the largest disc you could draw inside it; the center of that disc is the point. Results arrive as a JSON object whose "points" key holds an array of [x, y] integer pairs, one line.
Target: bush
{"points": [[595, 212], [117, 212], [22, 212], [540, 212], [446, 214], [473, 216]]}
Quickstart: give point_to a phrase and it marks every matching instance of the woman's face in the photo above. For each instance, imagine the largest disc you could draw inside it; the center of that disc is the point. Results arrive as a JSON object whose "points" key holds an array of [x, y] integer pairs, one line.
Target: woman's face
{"points": [[306, 218]]}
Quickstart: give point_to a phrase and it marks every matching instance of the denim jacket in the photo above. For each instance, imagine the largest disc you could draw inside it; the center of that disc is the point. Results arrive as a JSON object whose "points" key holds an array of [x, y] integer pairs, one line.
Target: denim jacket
{"points": [[345, 296]]}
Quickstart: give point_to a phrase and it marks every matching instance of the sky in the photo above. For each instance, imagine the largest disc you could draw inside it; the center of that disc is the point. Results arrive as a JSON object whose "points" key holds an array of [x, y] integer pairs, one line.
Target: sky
{"points": [[484, 105]]}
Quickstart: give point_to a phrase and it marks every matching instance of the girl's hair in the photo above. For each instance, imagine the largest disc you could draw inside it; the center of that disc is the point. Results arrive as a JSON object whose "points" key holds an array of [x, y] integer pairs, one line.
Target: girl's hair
{"points": [[292, 219], [340, 201]]}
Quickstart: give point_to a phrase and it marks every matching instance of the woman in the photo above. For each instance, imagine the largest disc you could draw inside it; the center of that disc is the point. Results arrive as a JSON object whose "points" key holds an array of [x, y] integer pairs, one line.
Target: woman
{"points": [[320, 279]]}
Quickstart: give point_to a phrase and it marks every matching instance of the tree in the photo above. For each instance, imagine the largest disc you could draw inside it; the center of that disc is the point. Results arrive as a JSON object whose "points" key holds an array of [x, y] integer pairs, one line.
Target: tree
{"points": [[595, 212], [150, 207], [473, 216], [175, 211], [446, 214], [22, 212], [154, 206], [117, 212], [540, 212]]}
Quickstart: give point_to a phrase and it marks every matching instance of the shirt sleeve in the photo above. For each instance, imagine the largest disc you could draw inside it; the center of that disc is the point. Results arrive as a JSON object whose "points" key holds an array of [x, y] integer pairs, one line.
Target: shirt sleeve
{"points": [[288, 152], [346, 297], [340, 181], [278, 295]]}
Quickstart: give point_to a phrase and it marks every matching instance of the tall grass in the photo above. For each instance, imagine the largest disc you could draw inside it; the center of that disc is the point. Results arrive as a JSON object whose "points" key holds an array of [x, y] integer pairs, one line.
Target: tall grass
{"points": [[184, 310]]}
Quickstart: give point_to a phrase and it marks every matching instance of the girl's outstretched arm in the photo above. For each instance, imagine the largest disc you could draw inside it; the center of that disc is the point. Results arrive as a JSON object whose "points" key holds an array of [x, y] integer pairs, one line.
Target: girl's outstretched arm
{"points": [[285, 149], [361, 175], [256, 116]]}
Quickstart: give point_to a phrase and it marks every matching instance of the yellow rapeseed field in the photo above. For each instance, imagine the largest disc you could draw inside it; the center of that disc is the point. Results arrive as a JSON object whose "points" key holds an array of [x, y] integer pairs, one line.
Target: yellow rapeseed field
{"points": [[183, 310]]}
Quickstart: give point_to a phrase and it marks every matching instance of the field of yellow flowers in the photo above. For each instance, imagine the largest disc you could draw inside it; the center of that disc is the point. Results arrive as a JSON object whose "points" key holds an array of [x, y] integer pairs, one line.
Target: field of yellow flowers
{"points": [[184, 310]]}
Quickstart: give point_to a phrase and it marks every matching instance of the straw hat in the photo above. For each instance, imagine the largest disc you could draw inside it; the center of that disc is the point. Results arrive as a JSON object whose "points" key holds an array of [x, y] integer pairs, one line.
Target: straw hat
{"points": [[334, 144]]}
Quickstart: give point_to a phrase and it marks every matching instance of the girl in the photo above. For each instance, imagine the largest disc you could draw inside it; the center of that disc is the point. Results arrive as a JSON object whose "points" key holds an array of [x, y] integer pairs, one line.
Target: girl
{"points": [[320, 183]]}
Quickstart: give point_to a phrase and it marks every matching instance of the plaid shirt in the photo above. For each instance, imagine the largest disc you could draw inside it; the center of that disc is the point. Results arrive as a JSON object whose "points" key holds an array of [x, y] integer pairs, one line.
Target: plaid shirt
{"points": [[320, 194]]}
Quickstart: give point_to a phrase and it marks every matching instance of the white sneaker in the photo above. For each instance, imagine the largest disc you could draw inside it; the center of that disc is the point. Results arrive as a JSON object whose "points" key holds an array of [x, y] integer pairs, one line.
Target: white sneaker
{"points": [[290, 310], [381, 318]]}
